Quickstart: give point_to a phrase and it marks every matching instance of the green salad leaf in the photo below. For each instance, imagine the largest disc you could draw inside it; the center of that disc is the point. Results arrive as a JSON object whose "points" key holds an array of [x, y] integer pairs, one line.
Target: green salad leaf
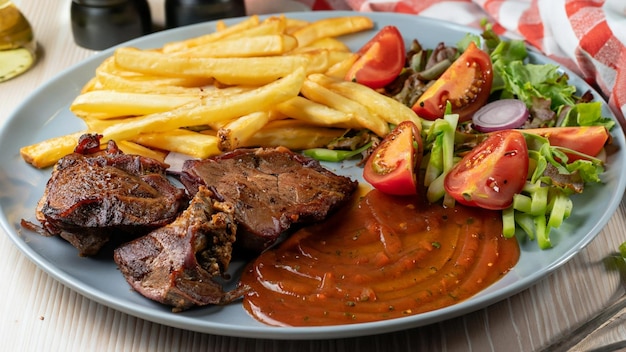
{"points": [[587, 114], [526, 82]]}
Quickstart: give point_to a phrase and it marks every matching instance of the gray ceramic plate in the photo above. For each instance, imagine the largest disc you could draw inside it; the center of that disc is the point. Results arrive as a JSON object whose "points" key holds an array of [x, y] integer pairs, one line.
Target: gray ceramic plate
{"points": [[45, 114]]}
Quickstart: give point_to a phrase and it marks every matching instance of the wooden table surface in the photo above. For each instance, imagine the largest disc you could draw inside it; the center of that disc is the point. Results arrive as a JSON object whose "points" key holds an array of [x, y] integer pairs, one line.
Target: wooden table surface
{"points": [[40, 314]]}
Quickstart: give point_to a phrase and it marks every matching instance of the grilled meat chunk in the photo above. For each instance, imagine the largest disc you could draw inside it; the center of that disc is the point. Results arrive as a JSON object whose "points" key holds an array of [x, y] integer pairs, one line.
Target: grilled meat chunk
{"points": [[94, 196], [271, 189], [177, 264]]}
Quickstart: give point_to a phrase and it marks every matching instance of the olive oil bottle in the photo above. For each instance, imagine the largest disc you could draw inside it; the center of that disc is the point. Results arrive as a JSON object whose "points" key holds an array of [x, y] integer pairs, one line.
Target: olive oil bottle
{"points": [[17, 42]]}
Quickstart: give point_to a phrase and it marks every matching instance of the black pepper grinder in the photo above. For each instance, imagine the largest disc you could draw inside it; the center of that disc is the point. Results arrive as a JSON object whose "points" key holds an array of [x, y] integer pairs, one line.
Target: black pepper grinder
{"points": [[100, 24], [183, 12]]}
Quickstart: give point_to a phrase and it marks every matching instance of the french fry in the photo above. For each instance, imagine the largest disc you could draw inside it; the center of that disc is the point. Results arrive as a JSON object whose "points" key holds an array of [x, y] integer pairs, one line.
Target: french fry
{"points": [[313, 113], [106, 104], [293, 134], [99, 125], [109, 66], [335, 57], [250, 22], [225, 70], [210, 110], [110, 104], [359, 113], [235, 133], [331, 27], [327, 43], [48, 152], [320, 60], [276, 115], [111, 77], [220, 26], [387, 108], [293, 24], [272, 25], [92, 84], [142, 85], [341, 68], [183, 141], [263, 45], [133, 148]]}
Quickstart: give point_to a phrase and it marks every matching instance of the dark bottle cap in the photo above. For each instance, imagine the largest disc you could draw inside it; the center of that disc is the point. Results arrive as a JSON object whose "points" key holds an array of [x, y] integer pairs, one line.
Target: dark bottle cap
{"points": [[99, 2], [184, 12], [100, 24]]}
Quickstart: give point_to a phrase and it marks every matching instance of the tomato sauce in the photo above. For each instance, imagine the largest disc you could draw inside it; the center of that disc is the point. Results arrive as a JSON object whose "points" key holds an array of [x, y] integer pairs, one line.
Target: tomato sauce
{"points": [[383, 257]]}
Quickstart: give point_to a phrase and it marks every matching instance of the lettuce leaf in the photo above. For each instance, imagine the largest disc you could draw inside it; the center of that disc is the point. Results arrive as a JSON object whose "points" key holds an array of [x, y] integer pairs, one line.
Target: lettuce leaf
{"points": [[528, 81], [587, 114]]}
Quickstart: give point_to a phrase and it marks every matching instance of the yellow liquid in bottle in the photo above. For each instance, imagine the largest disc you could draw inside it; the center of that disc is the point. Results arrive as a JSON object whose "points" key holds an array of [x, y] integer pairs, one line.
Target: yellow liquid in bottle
{"points": [[17, 42]]}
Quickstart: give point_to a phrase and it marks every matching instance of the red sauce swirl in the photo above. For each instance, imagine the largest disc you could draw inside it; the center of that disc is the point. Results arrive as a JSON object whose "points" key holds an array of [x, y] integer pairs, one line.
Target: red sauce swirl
{"points": [[384, 257]]}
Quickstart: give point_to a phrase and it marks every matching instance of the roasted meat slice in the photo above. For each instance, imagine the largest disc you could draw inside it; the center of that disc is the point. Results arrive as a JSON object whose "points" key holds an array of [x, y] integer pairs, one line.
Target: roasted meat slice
{"points": [[93, 196], [271, 189], [177, 264]]}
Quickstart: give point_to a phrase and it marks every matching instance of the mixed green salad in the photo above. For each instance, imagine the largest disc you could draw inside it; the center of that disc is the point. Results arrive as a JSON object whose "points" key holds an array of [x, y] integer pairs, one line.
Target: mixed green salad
{"points": [[476, 101]]}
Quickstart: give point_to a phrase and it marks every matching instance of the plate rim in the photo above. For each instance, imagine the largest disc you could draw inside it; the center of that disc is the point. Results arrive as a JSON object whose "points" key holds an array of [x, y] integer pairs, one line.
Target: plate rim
{"points": [[333, 331]]}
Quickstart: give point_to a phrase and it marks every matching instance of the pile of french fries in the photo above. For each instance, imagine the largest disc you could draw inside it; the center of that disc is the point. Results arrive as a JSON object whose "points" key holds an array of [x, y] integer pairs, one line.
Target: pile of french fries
{"points": [[271, 82]]}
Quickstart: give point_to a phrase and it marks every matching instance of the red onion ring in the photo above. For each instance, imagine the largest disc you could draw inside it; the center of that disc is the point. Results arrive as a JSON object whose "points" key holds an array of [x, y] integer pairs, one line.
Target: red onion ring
{"points": [[500, 115]]}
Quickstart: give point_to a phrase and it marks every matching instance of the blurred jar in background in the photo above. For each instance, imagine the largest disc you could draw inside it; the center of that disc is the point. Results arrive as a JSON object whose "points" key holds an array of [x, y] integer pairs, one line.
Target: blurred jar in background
{"points": [[17, 42], [100, 24], [183, 12]]}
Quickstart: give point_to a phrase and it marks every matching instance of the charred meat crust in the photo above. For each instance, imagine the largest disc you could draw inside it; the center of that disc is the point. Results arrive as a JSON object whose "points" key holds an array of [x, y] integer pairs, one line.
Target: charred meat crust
{"points": [[91, 197], [177, 264], [271, 189]]}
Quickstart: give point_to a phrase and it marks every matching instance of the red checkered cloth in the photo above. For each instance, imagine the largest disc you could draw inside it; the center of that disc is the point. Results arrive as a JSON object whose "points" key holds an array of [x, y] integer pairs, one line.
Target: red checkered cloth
{"points": [[587, 36]]}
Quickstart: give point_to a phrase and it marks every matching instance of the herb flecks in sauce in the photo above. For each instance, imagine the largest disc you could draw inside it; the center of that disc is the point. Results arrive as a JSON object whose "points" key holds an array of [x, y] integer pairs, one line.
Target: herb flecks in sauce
{"points": [[407, 259]]}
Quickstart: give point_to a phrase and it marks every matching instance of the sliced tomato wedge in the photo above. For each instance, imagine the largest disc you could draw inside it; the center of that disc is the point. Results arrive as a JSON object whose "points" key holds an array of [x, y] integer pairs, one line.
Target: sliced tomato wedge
{"points": [[380, 60], [584, 139], [392, 166], [492, 173], [466, 84]]}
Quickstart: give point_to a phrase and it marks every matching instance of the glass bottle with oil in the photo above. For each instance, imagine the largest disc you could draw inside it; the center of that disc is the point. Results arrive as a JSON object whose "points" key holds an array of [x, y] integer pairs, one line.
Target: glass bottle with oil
{"points": [[17, 42]]}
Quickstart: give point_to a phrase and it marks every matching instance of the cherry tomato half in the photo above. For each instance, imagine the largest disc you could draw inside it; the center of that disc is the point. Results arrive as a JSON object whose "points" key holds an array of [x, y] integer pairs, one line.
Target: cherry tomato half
{"points": [[381, 59], [584, 139], [466, 84], [491, 173], [392, 166]]}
